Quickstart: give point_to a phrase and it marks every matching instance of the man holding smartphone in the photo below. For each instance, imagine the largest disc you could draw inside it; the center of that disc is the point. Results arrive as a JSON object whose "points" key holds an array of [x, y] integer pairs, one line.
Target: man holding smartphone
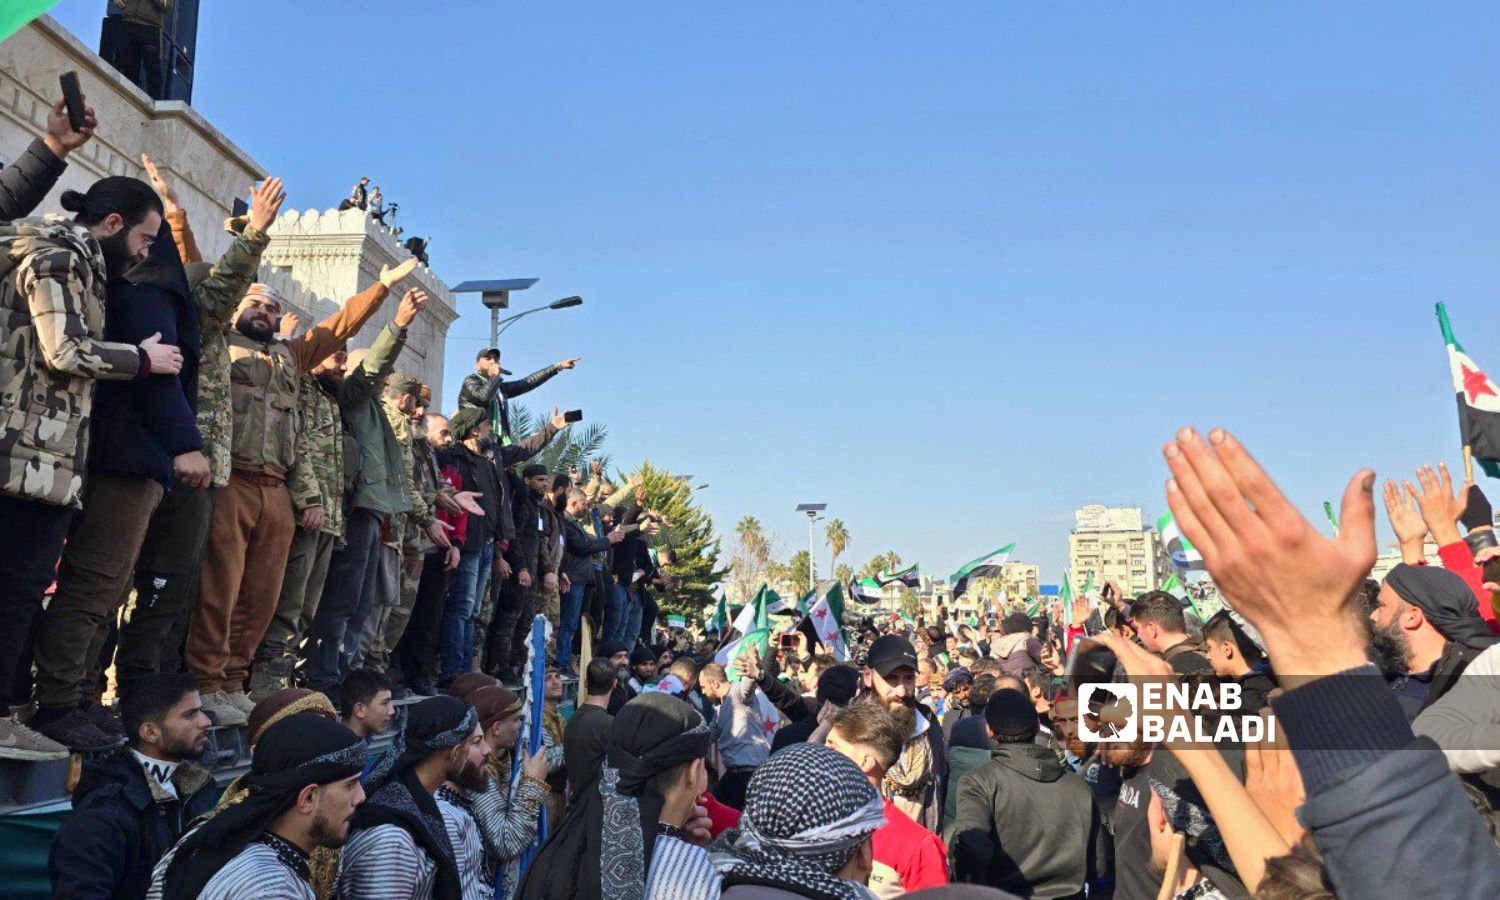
{"points": [[487, 388]]}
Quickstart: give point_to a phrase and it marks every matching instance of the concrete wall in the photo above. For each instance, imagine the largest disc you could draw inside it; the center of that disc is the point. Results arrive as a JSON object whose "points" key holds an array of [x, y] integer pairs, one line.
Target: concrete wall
{"points": [[317, 260]]}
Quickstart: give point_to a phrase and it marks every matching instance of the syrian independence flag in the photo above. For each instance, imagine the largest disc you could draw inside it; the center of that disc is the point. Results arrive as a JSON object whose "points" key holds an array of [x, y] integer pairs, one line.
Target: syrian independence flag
{"points": [[1066, 599], [986, 566], [824, 623], [1478, 403], [867, 590], [907, 576], [720, 619], [1184, 556]]}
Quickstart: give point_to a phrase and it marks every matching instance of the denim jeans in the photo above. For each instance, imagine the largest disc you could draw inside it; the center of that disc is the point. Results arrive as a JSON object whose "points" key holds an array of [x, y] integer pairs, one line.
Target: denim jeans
{"points": [[616, 607], [631, 633], [457, 642], [336, 626], [567, 624]]}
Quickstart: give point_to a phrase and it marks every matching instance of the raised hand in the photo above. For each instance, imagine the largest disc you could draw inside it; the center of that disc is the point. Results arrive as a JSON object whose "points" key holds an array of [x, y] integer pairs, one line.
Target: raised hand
{"points": [[265, 203], [1441, 508], [1401, 509], [558, 421], [158, 183], [390, 276], [569, 363], [60, 138], [1287, 578], [289, 324], [414, 301]]}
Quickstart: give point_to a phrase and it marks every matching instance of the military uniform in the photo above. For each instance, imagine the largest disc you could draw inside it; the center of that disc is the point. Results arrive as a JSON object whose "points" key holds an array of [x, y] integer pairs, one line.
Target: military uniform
{"points": [[322, 450], [253, 514], [52, 308]]}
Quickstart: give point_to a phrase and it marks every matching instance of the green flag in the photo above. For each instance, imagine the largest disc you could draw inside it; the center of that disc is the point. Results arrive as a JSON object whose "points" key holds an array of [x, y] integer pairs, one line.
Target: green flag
{"points": [[720, 619], [1066, 599], [15, 14], [1171, 583]]}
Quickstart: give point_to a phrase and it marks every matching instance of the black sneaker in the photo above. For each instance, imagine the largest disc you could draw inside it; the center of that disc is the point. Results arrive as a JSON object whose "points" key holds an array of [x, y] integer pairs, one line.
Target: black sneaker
{"points": [[101, 718], [74, 731]]}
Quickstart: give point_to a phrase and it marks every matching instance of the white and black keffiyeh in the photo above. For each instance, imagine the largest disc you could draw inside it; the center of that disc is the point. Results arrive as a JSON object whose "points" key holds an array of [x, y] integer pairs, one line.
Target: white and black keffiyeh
{"points": [[808, 810]]}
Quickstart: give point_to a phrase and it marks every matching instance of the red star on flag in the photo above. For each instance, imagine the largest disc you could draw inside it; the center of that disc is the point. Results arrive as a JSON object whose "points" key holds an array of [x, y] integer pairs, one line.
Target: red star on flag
{"points": [[823, 613], [1476, 385]]}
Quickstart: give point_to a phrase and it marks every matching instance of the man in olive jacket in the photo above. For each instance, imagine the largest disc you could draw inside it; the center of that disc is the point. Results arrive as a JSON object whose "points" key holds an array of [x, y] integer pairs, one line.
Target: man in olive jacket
{"points": [[380, 490]]}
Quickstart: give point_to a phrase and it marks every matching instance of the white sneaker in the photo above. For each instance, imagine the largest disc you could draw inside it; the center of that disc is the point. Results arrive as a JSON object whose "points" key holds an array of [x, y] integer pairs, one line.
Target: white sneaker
{"points": [[19, 742], [242, 702], [222, 709]]}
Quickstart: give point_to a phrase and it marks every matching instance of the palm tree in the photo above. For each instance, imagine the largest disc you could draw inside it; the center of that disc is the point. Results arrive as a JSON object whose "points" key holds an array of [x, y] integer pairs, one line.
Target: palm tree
{"points": [[838, 541], [752, 535], [573, 448], [843, 574]]}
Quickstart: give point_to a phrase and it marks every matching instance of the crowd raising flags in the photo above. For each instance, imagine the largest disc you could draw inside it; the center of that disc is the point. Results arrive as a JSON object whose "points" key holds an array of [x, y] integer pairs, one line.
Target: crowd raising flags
{"points": [[987, 566]]}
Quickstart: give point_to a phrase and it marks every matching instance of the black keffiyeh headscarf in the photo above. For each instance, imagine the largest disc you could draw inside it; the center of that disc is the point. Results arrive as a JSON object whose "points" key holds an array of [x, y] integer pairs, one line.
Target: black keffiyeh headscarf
{"points": [[603, 847], [1445, 600], [808, 810], [394, 795], [292, 754]]}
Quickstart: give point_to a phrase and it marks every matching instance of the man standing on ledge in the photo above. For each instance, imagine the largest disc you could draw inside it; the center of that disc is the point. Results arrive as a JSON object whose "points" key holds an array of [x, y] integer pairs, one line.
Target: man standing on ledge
{"points": [[487, 389], [253, 519]]}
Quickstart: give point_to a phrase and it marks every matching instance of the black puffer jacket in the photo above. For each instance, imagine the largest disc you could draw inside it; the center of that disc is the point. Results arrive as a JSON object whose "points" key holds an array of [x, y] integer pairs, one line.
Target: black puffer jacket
{"points": [[1028, 825], [121, 827]]}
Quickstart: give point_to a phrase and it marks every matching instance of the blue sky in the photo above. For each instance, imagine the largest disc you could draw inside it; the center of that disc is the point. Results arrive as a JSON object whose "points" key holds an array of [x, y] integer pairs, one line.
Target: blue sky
{"points": [[954, 269]]}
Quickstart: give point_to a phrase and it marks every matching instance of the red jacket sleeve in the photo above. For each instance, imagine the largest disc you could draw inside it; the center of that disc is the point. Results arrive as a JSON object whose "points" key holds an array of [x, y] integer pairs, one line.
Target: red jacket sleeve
{"points": [[1459, 559], [723, 817], [929, 865]]}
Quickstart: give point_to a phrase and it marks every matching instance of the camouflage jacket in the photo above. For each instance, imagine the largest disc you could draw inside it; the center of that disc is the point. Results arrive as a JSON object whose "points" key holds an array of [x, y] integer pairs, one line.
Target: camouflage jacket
{"points": [[52, 308], [401, 522], [321, 450], [263, 385], [425, 480], [217, 297]]}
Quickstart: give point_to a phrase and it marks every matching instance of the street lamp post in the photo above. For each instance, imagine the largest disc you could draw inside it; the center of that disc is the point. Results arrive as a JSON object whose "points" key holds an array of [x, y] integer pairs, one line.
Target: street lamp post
{"points": [[812, 510], [495, 295]]}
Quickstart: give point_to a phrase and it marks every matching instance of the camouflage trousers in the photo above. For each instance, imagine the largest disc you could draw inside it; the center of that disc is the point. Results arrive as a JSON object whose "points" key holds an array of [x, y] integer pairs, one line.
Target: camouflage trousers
{"points": [[489, 587]]}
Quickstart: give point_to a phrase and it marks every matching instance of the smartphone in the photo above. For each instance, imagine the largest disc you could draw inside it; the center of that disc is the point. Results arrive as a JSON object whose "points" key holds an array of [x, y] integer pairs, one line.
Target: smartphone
{"points": [[239, 208], [73, 99], [789, 640], [1090, 661], [573, 415]]}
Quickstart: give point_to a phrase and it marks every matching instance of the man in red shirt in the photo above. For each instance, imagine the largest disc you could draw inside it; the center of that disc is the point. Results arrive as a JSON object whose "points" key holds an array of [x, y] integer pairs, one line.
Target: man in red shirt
{"points": [[908, 857]]}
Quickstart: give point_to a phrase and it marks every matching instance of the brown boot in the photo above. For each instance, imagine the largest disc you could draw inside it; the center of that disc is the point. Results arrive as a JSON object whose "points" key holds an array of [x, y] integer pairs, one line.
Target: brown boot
{"points": [[268, 677]]}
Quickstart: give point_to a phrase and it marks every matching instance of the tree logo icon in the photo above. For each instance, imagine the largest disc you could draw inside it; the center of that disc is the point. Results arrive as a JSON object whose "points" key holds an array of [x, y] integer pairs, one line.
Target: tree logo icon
{"points": [[1108, 712]]}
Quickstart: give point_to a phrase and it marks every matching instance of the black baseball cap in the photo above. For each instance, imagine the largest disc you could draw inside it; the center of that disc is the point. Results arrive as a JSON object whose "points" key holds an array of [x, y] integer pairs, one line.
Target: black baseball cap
{"points": [[890, 653], [491, 353]]}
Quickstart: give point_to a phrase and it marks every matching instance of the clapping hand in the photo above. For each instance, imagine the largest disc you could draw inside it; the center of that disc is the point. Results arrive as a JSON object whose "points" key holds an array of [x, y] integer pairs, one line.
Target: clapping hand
{"points": [[390, 276]]}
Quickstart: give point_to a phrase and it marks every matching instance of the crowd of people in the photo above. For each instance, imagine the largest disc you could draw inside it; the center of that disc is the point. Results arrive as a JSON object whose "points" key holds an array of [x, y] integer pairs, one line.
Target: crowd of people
{"points": [[250, 525]]}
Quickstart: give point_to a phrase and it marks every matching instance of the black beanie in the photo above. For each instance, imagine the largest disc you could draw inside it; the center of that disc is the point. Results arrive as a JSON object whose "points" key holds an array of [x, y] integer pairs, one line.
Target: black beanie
{"points": [[1016, 623], [533, 470], [838, 685], [1011, 717]]}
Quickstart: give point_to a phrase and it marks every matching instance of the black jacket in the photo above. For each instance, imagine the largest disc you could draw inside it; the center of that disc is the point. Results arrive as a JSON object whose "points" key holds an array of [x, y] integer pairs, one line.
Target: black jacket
{"points": [[120, 828], [490, 394], [477, 474], [579, 548], [141, 424], [25, 182], [1026, 824]]}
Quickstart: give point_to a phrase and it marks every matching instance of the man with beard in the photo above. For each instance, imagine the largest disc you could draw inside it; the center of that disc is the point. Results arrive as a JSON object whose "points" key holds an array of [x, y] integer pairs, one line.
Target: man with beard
{"points": [[253, 514], [490, 819], [486, 388], [417, 649], [362, 574], [1432, 617], [619, 655], [399, 846], [53, 273], [740, 730], [167, 569], [1134, 877], [918, 781], [130, 808], [303, 789]]}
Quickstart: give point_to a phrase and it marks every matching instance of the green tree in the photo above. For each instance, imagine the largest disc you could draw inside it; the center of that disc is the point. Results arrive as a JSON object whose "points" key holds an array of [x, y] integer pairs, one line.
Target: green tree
{"points": [[751, 562], [575, 447], [838, 541], [687, 547], [887, 561], [910, 603], [844, 574], [799, 572]]}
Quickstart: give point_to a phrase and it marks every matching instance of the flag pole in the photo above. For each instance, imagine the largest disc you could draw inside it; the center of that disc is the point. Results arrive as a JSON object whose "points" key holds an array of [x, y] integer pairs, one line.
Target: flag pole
{"points": [[1468, 462]]}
